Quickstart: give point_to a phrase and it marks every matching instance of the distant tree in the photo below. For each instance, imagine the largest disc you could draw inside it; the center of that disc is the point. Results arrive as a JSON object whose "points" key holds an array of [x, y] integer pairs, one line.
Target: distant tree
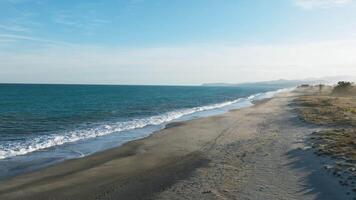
{"points": [[342, 87], [343, 84]]}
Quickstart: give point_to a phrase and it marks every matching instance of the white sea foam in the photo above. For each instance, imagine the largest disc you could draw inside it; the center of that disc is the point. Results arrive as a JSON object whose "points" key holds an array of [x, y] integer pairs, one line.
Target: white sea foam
{"points": [[42, 142]]}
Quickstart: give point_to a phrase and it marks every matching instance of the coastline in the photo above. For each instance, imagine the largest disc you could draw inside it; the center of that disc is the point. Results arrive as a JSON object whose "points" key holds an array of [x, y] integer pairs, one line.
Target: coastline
{"points": [[56, 150], [255, 152]]}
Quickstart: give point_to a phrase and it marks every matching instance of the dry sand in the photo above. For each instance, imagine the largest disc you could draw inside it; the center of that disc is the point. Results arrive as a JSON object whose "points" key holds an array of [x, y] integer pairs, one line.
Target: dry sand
{"points": [[252, 153]]}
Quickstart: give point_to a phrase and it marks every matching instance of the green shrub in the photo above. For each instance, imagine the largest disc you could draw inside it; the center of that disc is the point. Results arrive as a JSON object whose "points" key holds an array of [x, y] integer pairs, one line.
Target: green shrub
{"points": [[343, 87]]}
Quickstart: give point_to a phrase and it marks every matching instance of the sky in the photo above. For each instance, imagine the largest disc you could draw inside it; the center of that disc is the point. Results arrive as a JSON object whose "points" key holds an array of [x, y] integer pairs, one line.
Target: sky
{"points": [[175, 42]]}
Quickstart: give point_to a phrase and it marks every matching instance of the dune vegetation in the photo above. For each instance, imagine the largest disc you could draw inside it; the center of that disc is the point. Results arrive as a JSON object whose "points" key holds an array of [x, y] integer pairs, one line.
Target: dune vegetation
{"points": [[333, 109]]}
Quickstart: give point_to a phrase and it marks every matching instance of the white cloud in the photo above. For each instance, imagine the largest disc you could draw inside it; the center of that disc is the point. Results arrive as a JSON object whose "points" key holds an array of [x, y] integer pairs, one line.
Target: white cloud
{"points": [[180, 65], [310, 4]]}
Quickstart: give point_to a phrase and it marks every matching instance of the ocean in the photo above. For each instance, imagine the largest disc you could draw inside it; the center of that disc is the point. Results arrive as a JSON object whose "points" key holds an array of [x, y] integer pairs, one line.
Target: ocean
{"points": [[44, 124]]}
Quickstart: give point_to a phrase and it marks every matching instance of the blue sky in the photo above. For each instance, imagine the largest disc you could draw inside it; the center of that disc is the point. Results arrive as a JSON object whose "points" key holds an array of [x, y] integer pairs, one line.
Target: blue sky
{"points": [[114, 41]]}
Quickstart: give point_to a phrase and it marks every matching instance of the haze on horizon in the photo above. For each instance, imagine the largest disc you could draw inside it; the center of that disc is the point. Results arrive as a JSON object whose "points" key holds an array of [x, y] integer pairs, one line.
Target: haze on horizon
{"points": [[175, 42]]}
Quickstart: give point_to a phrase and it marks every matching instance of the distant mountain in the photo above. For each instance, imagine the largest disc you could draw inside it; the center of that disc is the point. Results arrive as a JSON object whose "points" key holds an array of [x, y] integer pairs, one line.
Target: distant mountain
{"points": [[288, 83], [335, 79], [285, 83]]}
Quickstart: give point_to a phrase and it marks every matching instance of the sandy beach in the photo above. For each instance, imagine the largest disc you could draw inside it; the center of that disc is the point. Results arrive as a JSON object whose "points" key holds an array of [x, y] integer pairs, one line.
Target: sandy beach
{"points": [[253, 153]]}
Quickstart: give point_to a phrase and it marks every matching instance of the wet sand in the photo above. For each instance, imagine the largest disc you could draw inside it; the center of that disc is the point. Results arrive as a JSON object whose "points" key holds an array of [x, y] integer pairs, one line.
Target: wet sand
{"points": [[251, 153]]}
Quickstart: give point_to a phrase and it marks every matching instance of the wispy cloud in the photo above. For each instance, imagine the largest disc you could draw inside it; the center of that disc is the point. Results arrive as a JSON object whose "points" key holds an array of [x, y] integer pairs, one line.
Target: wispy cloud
{"points": [[20, 23], [16, 37], [88, 22], [14, 28], [132, 5], [310, 4], [22, 1], [14, 1], [6, 40]]}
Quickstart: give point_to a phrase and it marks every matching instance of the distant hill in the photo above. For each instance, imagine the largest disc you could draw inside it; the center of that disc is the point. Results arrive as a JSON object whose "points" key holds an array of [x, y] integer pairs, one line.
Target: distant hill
{"points": [[287, 83]]}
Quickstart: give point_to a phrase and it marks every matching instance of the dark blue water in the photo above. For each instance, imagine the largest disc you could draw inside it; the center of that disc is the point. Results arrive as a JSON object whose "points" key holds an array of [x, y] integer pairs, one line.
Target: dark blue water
{"points": [[50, 118]]}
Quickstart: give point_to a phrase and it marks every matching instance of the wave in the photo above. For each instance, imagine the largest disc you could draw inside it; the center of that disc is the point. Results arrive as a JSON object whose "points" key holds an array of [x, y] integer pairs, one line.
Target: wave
{"points": [[46, 141]]}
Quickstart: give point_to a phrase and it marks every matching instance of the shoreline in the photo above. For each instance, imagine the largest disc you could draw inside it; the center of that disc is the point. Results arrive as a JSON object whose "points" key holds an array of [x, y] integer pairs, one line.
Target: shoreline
{"points": [[201, 158], [37, 160]]}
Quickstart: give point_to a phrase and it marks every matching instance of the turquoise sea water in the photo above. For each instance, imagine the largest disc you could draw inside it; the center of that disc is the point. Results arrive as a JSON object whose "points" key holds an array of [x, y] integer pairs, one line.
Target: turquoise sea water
{"points": [[44, 124]]}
